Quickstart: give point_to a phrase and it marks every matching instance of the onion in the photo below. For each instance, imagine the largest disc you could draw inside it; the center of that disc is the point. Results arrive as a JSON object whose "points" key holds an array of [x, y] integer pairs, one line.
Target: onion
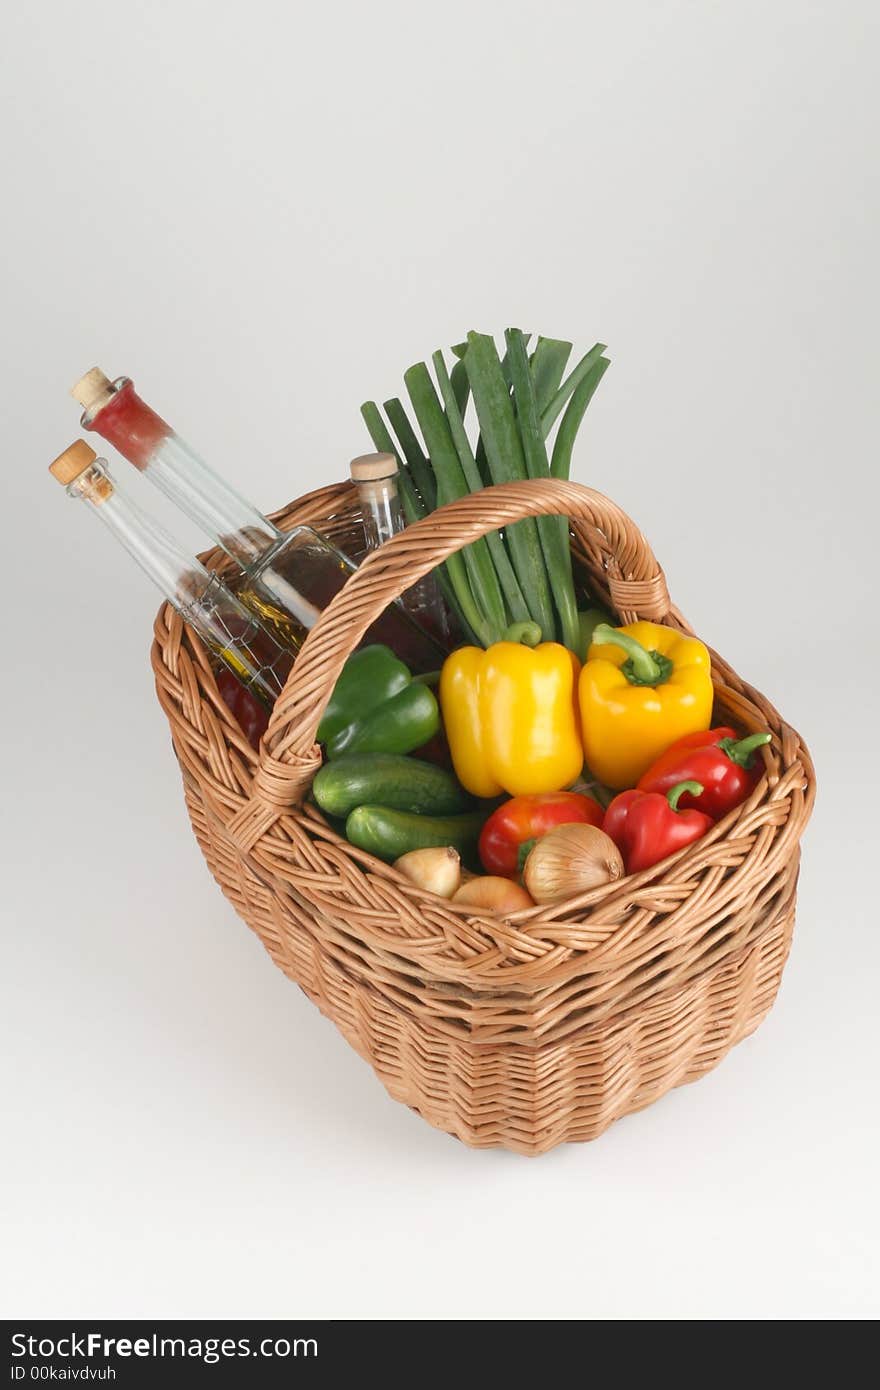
{"points": [[571, 860], [493, 894], [436, 870]]}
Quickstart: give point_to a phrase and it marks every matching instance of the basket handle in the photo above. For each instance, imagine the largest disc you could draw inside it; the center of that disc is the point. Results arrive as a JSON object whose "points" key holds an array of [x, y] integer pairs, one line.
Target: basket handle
{"points": [[289, 756]]}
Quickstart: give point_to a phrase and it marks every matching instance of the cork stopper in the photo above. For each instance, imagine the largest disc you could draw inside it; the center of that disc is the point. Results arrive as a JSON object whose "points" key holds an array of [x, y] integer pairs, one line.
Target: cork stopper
{"points": [[74, 461], [369, 468], [93, 391]]}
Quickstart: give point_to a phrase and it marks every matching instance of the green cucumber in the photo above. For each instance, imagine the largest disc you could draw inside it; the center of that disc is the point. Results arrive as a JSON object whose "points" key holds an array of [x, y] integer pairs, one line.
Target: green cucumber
{"points": [[387, 779], [388, 834], [406, 721]]}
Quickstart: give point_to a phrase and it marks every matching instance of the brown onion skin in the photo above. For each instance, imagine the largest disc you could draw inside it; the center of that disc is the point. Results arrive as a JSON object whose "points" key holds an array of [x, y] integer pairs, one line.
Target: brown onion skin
{"points": [[569, 861], [491, 894]]}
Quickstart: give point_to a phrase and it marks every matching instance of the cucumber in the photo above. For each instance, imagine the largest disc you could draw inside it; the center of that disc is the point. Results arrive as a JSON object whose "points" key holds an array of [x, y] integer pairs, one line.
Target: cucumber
{"points": [[387, 779], [388, 834]]}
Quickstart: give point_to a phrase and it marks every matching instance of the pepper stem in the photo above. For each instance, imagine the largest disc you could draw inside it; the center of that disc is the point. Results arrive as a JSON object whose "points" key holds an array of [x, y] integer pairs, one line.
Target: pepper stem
{"points": [[528, 633], [740, 751], [523, 853], [641, 666], [673, 795]]}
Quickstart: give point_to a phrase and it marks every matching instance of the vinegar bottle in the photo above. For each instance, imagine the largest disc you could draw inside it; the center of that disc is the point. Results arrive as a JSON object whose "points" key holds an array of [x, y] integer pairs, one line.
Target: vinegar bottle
{"points": [[229, 630], [287, 578], [375, 477]]}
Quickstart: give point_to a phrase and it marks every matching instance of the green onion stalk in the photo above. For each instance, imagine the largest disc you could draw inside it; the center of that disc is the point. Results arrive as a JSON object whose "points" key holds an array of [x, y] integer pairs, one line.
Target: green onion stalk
{"points": [[517, 583]]}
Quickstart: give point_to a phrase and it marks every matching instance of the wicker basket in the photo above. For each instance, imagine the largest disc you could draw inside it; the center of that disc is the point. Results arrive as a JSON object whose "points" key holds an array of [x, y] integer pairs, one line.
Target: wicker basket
{"points": [[523, 1032]]}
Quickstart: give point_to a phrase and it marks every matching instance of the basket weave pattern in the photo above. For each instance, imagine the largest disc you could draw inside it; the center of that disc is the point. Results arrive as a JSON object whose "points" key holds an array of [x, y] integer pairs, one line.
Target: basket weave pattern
{"points": [[526, 1031]]}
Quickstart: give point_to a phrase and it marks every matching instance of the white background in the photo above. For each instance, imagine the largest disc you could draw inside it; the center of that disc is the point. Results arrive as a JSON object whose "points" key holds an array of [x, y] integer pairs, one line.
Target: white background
{"points": [[264, 213]]}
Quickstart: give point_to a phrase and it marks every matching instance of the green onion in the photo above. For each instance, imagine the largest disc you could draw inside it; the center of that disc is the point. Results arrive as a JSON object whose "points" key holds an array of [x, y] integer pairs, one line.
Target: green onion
{"points": [[413, 505], [550, 413], [506, 464], [379, 431], [552, 530], [517, 606], [505, 363], [548, 363], [419, 466], [571, 420], [518, 578], [461, 387], [451, 483]]}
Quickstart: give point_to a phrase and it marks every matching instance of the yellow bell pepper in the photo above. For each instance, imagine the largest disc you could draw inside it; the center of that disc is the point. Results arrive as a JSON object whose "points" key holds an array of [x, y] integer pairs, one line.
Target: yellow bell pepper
{"points": [[511, 718], [641, 688]]}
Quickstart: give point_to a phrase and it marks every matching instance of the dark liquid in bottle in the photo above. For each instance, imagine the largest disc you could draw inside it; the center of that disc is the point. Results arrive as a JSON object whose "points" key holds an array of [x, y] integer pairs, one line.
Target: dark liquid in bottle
{"points": [[291, 587]]}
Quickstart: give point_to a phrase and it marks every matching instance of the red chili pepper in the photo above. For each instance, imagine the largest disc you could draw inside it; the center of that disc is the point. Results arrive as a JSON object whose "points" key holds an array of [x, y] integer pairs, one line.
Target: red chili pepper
{"points": [[525, 818], [718, 759], [647, 826]]}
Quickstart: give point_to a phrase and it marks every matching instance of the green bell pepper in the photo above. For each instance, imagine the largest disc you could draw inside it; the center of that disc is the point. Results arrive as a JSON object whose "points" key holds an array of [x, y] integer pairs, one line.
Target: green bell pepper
{"points": [[369, 678], [399, 725], [377, 707]]}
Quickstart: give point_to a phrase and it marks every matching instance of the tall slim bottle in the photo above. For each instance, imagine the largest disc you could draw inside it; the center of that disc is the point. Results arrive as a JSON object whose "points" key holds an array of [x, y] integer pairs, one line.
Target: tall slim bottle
{"points": [[287, 577], [375, 477], [229, 630]]}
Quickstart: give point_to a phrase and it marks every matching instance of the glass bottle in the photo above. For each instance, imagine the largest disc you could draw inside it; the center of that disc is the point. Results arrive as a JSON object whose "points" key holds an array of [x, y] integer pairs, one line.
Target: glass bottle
{"points": [[375, 477], [229, 630], [287, 577]]}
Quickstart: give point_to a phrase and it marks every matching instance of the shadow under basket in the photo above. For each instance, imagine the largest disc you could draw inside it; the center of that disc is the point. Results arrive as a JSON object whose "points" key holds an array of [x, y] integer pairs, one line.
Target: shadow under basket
{"points": [[521, 1032]]}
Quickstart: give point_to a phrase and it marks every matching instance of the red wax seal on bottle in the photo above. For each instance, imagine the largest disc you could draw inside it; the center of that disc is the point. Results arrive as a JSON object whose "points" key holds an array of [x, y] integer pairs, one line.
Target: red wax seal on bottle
{"points": [[114, 410]]}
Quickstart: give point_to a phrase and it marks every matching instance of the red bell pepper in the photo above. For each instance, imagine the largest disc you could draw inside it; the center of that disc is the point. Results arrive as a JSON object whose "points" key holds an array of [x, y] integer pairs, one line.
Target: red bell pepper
{"points": [[250, 714], [723, 763], [647, 826], [525, 818]]}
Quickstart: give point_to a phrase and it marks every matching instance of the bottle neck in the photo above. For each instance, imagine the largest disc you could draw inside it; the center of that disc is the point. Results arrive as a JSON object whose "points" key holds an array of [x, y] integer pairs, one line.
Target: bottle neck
{"points": [[143, 437], [224, 625], [380, 505], [179, 575]]}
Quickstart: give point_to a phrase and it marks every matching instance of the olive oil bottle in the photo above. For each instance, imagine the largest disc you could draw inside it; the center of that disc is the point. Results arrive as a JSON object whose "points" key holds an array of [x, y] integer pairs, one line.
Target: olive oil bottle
{"points": [[287, 578], [229, 630]]}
